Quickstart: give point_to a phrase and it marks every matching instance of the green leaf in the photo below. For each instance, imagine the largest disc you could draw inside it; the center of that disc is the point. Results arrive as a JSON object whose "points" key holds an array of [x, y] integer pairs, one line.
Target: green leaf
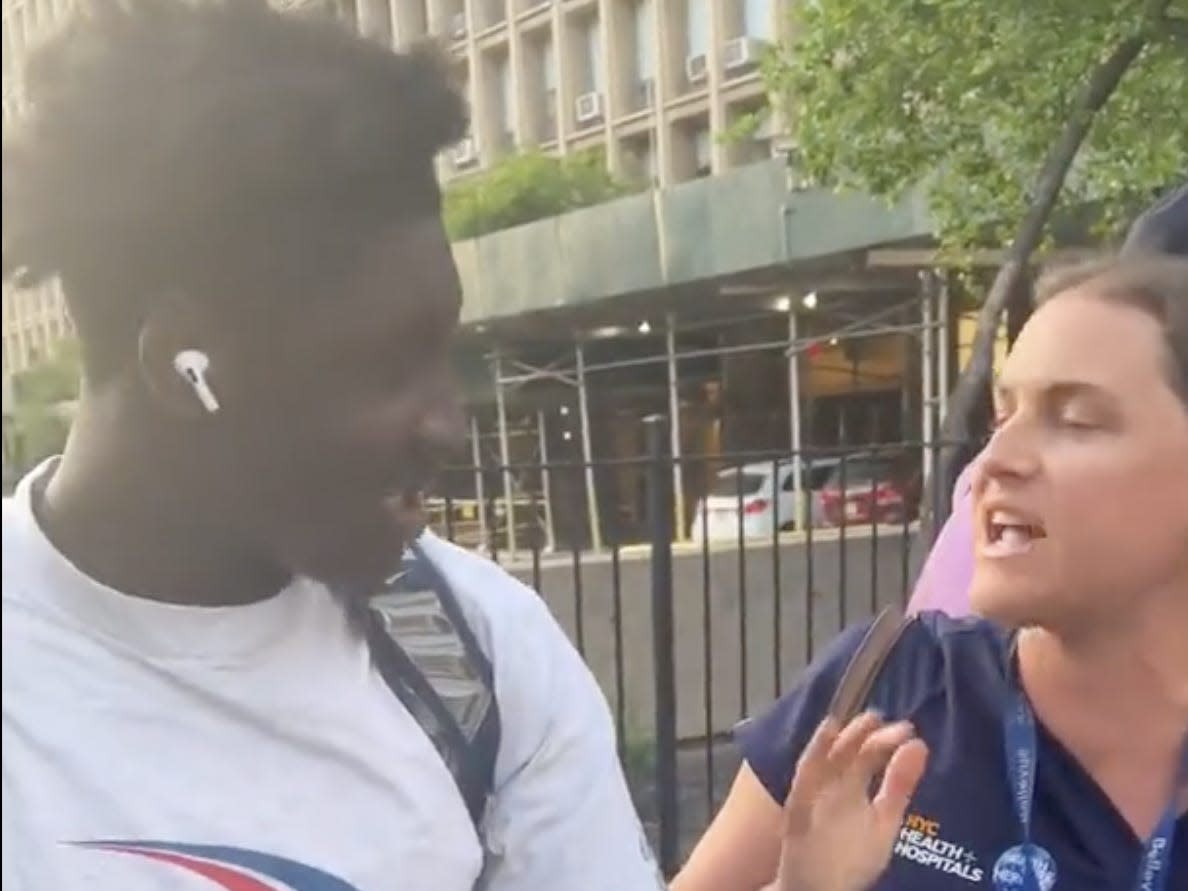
{"points": [[43, 396], [527, 187], [53, 380], [965, 98]]}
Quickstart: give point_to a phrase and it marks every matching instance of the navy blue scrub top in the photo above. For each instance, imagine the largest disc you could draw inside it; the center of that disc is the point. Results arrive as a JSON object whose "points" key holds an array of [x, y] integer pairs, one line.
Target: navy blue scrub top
{"points": [[950, 678]]}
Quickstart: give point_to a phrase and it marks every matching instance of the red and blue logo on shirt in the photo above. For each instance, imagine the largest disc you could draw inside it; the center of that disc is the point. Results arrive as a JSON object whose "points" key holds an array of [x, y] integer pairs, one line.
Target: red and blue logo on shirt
{"points": [[232, 869]]}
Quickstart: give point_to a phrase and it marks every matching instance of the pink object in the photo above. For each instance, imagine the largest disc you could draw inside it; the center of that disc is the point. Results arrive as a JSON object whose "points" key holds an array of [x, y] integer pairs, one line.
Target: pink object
{"points": [[945, 579]]}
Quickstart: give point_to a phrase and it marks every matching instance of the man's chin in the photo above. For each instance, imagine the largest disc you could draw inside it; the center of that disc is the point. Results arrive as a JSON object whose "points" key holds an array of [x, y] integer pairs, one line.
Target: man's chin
{"points": [[357, 576], [406, 513], [356, 558]]}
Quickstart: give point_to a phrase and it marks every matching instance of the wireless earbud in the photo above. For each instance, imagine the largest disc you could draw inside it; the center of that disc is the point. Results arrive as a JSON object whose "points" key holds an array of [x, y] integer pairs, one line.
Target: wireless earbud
{"points": [[192, 365]]}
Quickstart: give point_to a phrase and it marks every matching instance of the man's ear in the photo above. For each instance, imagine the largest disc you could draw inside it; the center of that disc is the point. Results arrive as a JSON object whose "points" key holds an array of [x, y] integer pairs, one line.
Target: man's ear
{"points": [[178, 327]]}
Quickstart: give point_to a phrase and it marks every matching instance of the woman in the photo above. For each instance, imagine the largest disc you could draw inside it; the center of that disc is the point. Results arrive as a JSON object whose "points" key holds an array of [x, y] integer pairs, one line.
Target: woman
{"points": [[946, 575], [1054, 758]]}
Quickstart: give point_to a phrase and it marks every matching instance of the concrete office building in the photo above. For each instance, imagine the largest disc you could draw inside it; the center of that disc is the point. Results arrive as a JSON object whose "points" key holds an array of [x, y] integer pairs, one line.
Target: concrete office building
{"points": [[34, 319], [649, 81]]}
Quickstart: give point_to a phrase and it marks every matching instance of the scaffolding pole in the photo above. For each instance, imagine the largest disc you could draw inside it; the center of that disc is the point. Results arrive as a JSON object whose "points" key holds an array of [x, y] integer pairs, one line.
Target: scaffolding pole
{"points": [[587, 449], [796, 432], [944, 350], [855, 329], [546, 489], [480, 489], [927, 363], [509, 502], [674, 427]]}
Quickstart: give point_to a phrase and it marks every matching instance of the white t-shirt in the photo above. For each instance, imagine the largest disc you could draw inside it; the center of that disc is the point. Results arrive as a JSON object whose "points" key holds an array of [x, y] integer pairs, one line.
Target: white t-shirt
{"points": [[149, 746]]}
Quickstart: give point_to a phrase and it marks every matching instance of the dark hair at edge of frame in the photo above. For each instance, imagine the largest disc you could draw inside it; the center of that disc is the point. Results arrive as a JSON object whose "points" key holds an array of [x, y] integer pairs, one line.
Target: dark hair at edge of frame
{"points": [[1156, 284], [218, 148]]}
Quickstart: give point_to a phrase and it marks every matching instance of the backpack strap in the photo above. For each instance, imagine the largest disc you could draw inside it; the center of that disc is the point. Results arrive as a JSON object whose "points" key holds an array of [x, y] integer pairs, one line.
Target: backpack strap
{"points": [[865, 666], [428, 655]]}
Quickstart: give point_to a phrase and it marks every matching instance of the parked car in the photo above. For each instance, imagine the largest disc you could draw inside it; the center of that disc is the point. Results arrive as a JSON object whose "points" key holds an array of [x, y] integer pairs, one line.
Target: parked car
{"points": [[753, 495], [871, 488]]}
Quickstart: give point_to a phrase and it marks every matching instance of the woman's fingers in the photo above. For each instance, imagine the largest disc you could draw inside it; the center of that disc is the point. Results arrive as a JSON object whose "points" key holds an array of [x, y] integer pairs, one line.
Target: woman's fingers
{"points": [[899, 784], [835, 835], [827, 758], [851, 740], [810, 776], [850, 758], [877, 750]]}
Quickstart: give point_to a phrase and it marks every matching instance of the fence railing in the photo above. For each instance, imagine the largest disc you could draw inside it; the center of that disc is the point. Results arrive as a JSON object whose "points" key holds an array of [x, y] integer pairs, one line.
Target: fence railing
{"points": [[691, 630]]}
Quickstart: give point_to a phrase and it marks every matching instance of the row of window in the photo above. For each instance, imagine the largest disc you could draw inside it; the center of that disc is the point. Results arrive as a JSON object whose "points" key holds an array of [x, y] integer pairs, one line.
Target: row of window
{"points": [[497, 77], [414, 19]]}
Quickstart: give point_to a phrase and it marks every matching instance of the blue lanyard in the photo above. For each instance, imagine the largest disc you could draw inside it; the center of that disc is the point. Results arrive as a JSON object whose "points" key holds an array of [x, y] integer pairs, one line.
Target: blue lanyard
{"points": [[1020, 738]]}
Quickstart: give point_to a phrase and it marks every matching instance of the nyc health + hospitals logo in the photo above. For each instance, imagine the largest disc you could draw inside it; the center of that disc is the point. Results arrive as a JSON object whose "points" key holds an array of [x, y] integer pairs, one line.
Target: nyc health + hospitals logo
{"points": [[921, 841], [232, 869]]}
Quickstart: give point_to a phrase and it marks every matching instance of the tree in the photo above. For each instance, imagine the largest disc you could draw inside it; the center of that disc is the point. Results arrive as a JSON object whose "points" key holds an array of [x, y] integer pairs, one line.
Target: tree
{"points": [[1010, 114], [43, 399], [527, 187]]}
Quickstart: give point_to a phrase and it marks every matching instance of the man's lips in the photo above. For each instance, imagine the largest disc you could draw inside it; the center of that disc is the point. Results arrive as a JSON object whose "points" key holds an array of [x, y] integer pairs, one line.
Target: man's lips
{"points": [[408, 500]]}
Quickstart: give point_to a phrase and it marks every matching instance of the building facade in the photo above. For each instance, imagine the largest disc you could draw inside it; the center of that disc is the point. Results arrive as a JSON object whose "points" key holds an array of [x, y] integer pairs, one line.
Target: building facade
{"points": [[652, 83], [34, 318]]}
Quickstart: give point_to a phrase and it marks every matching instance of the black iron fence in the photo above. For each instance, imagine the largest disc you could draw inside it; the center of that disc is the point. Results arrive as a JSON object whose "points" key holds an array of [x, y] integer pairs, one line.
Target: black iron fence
{"points": [[712, 613]]}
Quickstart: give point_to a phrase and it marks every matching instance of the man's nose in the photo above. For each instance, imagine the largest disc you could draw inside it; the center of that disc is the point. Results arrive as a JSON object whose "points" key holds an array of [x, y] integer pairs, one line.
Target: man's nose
{"points": [[443, 424]]}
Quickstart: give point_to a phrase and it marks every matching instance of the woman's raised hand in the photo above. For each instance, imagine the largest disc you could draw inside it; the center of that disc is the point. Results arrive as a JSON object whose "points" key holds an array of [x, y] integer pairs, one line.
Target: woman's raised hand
{"points": [[839, 830]]}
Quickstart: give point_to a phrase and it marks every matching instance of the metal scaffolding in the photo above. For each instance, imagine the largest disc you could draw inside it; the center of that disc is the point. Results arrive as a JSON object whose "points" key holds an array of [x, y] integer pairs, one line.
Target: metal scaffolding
{"points": [[930, 326]]}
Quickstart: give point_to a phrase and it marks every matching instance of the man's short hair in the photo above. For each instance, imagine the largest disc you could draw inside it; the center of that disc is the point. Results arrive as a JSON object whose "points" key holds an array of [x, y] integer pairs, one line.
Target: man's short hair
{"points": [[220, 147]]}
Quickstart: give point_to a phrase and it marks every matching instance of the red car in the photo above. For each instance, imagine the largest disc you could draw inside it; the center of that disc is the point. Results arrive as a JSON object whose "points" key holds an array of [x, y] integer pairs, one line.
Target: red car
{"points": [[878, 488]]}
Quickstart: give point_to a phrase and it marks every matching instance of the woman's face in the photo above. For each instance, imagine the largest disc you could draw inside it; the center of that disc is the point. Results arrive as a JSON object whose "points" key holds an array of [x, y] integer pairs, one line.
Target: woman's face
{"points": [[1081, 497]]}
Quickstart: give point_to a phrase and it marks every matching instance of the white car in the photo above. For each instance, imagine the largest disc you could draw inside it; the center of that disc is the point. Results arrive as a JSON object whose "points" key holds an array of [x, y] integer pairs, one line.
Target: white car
{"points": [[752, 496]]}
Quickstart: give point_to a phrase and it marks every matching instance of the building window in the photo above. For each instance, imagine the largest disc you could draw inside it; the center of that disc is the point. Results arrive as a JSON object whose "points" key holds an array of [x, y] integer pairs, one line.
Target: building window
{"points": [[412, 19], [504, 101], [584, 45], [703, 151], [460, 76], [692, 148], [697, 27], [452, 19], [592, 73], [758, 20], [642, 89], [492, 13], [644, 31], [639, 159], [544, 60]]}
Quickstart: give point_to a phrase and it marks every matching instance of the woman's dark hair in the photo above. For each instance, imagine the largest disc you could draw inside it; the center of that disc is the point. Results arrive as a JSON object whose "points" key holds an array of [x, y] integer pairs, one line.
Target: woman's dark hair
{"points": [[1163, 227], [1156, 284], [218, 147]]}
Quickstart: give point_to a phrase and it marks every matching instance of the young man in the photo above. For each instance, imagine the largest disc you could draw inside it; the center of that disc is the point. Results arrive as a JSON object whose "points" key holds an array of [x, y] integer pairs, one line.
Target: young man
{"points": [[242, 208]]}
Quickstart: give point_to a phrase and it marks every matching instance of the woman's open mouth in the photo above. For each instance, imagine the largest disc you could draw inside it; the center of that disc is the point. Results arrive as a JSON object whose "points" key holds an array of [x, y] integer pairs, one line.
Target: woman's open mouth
{"points": [[1010, 534]]}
